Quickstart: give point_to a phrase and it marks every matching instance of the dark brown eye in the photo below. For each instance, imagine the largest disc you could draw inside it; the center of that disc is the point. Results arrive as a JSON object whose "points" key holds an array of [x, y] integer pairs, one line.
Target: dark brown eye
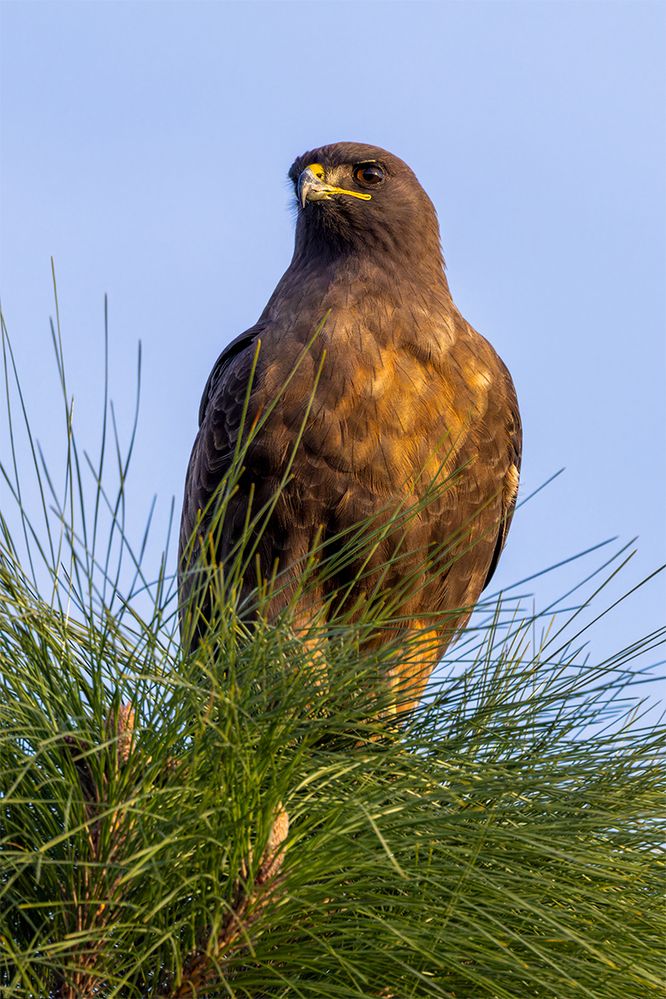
{"points": [[369, 174]]}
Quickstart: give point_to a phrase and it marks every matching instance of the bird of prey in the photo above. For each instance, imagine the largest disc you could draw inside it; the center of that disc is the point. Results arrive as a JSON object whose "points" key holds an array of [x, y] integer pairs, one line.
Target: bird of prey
{"points": [[408, 394]]}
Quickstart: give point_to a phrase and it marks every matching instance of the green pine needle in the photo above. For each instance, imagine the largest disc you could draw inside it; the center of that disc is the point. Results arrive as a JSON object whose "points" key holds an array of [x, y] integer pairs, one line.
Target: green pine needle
{"points": [[253, 820]]}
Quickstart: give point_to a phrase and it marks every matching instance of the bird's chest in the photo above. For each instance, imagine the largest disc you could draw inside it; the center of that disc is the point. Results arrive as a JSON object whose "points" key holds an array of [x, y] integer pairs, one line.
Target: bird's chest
{"points": [[369, 406]]}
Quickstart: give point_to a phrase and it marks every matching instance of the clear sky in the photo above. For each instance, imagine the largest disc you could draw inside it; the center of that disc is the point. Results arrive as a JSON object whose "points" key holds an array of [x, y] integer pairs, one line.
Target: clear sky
{"points": [[145, 147]]}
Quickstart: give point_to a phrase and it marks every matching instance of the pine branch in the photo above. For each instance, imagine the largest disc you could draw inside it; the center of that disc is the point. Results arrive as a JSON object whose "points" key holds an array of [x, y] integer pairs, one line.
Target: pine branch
{"points": [[84, 980], [204, 968]]}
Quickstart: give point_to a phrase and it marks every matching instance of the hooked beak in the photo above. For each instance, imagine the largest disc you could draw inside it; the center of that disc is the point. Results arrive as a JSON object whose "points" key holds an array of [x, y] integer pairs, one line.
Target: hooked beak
{"points": [[311, 188], [314, 188]]}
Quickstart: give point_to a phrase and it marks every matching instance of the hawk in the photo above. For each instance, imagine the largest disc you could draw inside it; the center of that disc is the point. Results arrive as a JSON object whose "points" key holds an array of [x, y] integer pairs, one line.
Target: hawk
{"points": [[367, 386]]}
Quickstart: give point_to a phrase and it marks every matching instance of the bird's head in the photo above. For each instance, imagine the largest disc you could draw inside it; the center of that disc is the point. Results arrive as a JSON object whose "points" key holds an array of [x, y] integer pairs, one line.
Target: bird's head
{"points": [[355, 197]]}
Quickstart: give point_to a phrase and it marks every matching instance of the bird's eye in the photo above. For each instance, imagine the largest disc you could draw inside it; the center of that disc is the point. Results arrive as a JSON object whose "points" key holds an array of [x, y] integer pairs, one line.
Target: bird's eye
{"points": [[369, 174]]}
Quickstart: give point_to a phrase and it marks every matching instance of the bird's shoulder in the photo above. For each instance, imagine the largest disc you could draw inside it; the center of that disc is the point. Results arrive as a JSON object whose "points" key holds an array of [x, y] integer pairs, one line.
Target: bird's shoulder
{"points": [[244, 344], [497, 437], [220, 413]]}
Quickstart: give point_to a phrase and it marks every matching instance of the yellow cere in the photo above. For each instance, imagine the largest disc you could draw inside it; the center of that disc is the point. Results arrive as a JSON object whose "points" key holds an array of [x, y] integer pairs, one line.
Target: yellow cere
{"points": [[319, 172]]}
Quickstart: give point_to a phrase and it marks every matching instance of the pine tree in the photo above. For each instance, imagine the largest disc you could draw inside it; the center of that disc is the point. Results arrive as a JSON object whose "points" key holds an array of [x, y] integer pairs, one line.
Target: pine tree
{"points": [[246, 820]]}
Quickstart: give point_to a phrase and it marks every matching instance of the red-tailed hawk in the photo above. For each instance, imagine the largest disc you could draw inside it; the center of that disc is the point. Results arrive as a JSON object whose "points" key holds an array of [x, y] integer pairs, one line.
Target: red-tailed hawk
{"points": [[409, 395]]}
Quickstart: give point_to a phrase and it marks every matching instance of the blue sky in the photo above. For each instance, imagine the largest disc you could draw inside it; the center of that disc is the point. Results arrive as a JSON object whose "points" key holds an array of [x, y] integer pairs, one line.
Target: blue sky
{"points": [[145, 147]]}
